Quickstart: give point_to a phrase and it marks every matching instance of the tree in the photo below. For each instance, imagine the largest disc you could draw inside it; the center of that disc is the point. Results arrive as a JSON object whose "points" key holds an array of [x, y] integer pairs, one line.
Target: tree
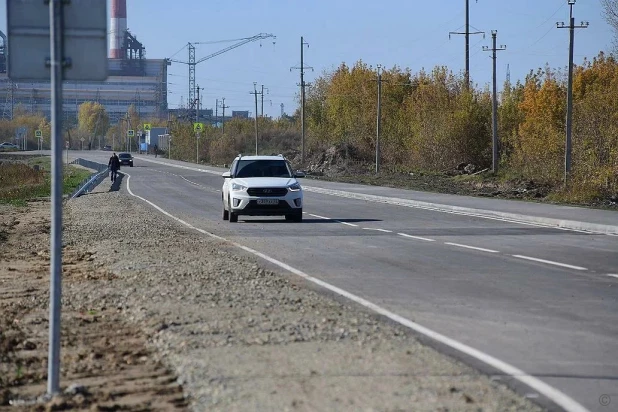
{"points": [[610, 12], [92, 120]]}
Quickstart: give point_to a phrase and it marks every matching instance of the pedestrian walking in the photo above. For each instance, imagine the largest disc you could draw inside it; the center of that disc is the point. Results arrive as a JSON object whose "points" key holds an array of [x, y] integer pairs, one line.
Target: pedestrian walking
{"points": [[114, 166]]}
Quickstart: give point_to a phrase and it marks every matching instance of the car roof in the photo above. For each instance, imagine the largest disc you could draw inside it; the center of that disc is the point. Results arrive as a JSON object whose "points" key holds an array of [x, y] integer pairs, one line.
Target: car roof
{"points": [[124, 153], [262, 158]]}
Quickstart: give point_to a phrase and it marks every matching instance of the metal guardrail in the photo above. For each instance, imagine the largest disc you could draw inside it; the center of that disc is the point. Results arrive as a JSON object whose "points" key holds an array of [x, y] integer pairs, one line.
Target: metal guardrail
{"points": [[93, 180]]}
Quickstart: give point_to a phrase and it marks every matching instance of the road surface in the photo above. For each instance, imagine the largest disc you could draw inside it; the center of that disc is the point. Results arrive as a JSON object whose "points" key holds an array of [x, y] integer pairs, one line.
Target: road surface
{"points": [[544, 300]]}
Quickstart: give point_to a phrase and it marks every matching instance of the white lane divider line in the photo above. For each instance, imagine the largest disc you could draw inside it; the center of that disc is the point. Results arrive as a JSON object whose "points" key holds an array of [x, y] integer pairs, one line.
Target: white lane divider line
{"points": [[550, 262], [612, 275], [378, 230], [206, 188], [334, 220], [472, 247], [319, 217], [346, 223], [561, 399], [416, 237]]}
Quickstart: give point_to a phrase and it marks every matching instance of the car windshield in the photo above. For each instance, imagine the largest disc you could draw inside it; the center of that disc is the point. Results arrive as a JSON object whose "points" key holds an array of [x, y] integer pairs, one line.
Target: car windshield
{"points": [[262, 168], [124, 156]]}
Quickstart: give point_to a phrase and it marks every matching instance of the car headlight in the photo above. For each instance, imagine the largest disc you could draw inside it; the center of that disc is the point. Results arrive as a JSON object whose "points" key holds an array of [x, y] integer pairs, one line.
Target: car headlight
{"points": [[294, 187], [238, 188]]}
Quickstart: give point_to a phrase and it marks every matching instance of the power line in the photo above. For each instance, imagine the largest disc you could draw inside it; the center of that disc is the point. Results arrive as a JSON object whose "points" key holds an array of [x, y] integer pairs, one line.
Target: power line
{"points": [[467, 33], [255, 93], [302, 96]]}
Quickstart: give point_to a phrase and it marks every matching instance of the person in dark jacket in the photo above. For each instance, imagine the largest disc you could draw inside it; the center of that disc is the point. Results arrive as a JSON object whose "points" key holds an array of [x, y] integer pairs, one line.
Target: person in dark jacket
{"points": [[114, 166]]}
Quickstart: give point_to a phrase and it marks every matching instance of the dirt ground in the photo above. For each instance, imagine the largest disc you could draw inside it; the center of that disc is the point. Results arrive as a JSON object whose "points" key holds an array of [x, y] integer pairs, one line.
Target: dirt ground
{"points": [[106, 364]]}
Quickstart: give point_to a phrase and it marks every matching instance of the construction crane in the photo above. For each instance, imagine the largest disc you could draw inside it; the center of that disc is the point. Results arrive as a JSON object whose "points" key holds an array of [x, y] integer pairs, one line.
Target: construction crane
{"points": [[192, 62]]}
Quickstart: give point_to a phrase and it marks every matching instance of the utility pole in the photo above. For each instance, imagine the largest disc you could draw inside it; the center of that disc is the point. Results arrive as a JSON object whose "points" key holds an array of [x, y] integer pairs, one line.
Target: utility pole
{"points": [[197, 105], [217, 112], [255, 93], [223, 106], [467, 33], [378, 119], [267, 91], [302, 96], [569, 115], [494, 109]]}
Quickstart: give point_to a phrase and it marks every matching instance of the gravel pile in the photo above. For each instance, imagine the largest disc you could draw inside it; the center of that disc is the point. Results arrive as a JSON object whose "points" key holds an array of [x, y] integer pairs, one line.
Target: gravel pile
{"points": [[243, 338]]}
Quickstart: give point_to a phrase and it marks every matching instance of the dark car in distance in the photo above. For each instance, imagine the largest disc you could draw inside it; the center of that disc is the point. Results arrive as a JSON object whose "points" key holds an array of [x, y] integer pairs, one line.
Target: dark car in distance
{"points": [[126, 159]]}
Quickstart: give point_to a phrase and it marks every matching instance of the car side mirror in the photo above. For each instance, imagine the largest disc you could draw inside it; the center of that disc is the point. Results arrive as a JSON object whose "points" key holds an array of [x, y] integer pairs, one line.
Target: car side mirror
{"points": [[299, 173], [226, 175]]}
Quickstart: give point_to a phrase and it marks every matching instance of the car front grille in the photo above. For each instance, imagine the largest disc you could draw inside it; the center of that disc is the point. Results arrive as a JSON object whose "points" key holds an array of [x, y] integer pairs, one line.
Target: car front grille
{"points": [[267, 191]]}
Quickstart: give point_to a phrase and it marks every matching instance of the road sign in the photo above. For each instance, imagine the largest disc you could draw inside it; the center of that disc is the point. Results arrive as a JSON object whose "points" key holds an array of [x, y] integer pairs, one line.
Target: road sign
{"points": [[198, 127], [38, 133], [85, 39], [130, 133], [82, 139], [147, 126]]}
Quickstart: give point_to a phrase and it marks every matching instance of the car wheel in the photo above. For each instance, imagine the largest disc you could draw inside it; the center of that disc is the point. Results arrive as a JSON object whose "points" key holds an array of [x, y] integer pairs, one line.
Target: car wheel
{"points": [[233, 217], [296, 217], [226, 214], [131, 165]]}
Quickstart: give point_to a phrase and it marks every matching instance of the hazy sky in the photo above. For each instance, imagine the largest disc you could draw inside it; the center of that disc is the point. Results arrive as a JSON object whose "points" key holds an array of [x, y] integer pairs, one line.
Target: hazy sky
{"points": [[407, 33]]}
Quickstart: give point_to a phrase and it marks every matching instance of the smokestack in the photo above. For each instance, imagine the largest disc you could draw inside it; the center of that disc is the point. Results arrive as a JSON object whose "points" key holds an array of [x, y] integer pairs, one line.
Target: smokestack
{"points": [[118, 28]]}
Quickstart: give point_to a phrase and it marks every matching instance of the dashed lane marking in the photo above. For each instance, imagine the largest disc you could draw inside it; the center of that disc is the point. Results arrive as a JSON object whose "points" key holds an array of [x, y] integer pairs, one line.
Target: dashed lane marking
{"points": [[416, 237], [472, 247], [550, 262], [378, 230]]}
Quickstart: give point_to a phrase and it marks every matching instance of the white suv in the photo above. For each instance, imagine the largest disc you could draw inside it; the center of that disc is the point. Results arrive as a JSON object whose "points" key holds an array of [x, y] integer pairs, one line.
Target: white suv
{"points": [[262, 186]]}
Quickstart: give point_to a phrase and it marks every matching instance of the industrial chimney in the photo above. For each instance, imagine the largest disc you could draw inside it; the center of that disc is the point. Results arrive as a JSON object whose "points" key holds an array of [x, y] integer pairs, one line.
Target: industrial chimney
{"points": [[118, 28]]}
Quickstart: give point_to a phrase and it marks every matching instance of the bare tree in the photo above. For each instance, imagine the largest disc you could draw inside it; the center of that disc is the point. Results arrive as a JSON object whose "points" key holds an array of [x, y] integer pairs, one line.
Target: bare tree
{"points": [[610, 12]]}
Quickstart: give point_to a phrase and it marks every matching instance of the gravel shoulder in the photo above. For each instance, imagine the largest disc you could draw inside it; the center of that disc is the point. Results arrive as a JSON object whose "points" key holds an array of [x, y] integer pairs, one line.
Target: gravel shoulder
{"points": [[237, 336]]}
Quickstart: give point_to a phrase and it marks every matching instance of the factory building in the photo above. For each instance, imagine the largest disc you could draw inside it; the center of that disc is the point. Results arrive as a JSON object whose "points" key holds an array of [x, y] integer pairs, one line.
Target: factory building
{"points": [[133, 80]]}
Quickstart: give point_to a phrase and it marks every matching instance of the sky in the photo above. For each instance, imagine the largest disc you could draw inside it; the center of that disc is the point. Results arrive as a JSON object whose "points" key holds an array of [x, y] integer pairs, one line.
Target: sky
{"points": [[408, 33]]}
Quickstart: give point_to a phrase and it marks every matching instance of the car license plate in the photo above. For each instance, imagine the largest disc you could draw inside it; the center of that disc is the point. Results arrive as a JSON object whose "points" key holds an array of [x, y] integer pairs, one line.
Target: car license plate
{"points": [[267, 202]]}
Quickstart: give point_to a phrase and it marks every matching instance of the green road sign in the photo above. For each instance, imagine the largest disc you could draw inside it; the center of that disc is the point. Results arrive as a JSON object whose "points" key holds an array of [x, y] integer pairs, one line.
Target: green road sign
{"points": [[38, 133], [198, 127], [130, 133], [147, 126]]}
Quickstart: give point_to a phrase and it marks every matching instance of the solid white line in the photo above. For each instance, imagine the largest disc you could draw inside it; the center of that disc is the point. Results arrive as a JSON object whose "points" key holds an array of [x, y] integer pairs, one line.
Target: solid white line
{"points": [[550, 262], [416, 237], [550, 392], [614, 276], [319, 217], [346, 223], [378, 230], [472, 247]]}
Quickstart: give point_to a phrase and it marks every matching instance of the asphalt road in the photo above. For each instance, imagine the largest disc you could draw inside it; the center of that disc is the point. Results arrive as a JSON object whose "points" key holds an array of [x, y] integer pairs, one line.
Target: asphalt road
{"points": [[540, 299]]}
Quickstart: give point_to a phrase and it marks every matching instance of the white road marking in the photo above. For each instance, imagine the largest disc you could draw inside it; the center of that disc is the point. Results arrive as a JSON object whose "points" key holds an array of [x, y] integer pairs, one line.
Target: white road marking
{"points": [[550, 262], [416, 237], [472, 247], [612, 275], [550, 392], [346, 223], [319, 217], [378, 230]]}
